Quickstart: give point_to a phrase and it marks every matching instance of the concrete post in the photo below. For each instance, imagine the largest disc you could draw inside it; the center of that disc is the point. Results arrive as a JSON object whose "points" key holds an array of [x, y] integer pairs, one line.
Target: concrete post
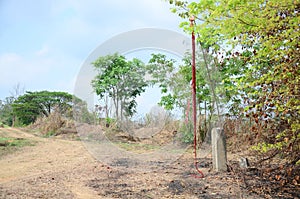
{"points": [[219, 149]]}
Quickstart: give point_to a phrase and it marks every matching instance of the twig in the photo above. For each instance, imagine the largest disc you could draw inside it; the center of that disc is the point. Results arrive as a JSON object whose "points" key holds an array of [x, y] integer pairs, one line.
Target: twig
{"points": [[237, 180], [267, 158]]}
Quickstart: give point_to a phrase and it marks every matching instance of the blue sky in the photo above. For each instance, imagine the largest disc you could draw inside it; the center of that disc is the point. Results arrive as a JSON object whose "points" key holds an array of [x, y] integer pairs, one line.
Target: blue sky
{"points": [[44, 43]]}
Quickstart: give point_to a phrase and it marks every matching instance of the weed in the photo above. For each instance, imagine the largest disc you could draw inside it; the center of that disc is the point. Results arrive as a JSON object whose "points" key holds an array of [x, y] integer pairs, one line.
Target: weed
{"points": [[9, 144], [137, 147], [50, 133]]}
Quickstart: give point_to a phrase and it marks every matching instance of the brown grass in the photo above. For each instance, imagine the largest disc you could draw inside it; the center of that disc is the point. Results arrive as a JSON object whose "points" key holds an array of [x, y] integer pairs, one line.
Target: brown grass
{"points": [[54, 124]]}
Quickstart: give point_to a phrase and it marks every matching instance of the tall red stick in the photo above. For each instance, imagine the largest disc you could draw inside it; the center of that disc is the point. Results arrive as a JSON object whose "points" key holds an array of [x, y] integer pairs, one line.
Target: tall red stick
{"points": [[194, 98]]}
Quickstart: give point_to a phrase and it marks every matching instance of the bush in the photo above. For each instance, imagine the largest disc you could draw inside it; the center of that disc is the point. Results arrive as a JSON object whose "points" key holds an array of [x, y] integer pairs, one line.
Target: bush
{"points": [[53, 124], [187, 133]]}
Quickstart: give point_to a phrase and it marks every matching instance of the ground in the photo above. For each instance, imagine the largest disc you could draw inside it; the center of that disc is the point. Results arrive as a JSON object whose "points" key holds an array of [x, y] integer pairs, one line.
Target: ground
{"points": [[62, 168]]}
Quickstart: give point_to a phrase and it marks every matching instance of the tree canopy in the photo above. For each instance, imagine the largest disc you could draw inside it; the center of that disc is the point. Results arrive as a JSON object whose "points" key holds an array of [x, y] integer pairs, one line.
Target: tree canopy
{"points": [[31, 105], [258, 41], [120, 79], [6, 113]]}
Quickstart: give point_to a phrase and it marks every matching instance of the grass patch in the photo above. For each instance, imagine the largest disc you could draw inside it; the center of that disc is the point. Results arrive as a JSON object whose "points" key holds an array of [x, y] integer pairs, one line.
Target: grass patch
{"points": [[50, 133], [137, 147], [10, 144]]}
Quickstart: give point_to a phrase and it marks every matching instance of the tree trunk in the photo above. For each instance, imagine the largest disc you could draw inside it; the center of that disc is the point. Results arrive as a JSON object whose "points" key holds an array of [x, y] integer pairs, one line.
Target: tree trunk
{"points": [[200, 130], [205, 122], [13, 121], [115, 99], [106, 106]]}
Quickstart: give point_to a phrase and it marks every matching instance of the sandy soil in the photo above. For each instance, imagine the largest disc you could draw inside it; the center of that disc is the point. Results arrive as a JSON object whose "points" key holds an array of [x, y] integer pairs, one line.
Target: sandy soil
{"points": [[59, 168]]}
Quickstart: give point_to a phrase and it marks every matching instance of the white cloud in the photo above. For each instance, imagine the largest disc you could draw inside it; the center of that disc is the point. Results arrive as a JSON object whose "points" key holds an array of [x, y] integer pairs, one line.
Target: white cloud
{"points": [[43, 51], [66, 84], [117, 14], [37, 72], [16, 68], [50, 40], [9, 58]]}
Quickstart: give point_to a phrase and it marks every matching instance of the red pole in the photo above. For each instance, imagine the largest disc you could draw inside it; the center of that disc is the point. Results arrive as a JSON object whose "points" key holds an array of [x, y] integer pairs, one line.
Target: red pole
{"points": [[192, 19]]}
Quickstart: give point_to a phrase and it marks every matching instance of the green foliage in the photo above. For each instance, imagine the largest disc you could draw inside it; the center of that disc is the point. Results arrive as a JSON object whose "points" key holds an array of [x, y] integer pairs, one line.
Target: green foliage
{"points": [[137, 147], [80, 112], [175, 83], [260, 66], [160, 68], [187, 133], [13, 142], [163, 74], [168, 101], [18, 122], [6, 112], [109, 121], [31, 105], [121, 80], [50, 133], [10, 144], [266, 147]]}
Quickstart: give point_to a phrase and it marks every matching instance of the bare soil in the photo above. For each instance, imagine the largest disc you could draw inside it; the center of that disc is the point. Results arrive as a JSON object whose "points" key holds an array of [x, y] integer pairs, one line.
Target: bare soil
{"points": [[59, 168]]}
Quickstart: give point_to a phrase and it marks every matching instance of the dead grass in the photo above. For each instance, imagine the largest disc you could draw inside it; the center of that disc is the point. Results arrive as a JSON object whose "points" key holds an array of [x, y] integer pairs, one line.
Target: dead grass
{"points": [[53, 125]]}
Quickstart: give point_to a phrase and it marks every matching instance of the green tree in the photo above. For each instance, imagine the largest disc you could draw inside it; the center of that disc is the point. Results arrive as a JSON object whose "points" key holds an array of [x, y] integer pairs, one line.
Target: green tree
{"points": [[162, 70], [6, 111], [121, 80], [81, 113], [29, 106], [261, 37], [175, 84], [7, 116]]}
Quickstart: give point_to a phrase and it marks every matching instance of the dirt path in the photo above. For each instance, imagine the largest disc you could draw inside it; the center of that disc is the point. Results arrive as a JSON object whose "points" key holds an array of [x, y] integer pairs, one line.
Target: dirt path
{"points": [[56, 168]]}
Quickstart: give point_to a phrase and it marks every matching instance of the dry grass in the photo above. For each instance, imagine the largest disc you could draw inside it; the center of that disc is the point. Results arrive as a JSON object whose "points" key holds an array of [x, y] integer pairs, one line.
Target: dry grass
{"points": [[54, 124]]}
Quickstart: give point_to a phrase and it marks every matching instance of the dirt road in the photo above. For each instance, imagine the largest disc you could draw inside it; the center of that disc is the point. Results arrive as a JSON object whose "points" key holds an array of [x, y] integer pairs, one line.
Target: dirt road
{"points": [[58, 168]]}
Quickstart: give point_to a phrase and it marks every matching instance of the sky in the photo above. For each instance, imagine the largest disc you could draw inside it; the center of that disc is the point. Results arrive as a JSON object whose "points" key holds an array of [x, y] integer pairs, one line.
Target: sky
{"points": [[43, 44]]}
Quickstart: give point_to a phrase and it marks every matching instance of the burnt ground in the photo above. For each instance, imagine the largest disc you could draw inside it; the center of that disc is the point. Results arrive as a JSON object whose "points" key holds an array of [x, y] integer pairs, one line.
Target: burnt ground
{"points": [[59, 168]]}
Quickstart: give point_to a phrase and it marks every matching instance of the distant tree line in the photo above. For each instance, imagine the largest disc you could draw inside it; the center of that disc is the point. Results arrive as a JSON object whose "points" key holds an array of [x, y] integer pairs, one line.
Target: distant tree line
{"points": [[26, 108]]}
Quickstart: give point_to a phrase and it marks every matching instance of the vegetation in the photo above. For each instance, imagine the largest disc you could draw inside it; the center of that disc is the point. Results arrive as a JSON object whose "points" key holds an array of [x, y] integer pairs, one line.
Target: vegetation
{"points": [[137, 147], [6, 113], [161, 70], [121, 80], [256, 47], [175, 84], [27, 108], [114, 73], [247, 67], [10, 144]]}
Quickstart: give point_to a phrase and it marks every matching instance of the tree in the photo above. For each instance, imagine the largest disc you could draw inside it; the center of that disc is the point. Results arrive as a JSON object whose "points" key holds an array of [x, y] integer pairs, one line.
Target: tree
{"points": [[262, 37], [121, 80], [175, 83], [17, 91], [6, 112], [7, 116], [31, 105], [81, 113], [157, 117], [162, 71]]}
